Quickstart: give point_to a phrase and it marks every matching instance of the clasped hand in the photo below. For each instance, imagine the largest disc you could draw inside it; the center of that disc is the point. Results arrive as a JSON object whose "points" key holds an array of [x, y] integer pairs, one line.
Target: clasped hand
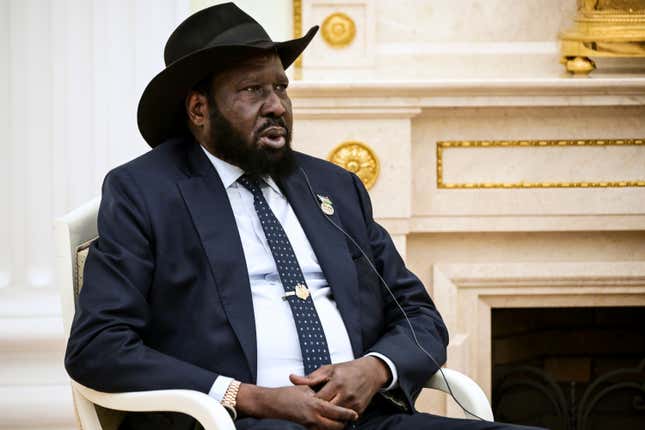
{"points": [[350, 385], [326, 399]]}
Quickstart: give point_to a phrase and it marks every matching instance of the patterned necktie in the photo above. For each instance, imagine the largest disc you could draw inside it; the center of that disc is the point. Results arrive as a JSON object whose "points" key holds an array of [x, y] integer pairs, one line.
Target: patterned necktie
{"points": [[311, 336]]}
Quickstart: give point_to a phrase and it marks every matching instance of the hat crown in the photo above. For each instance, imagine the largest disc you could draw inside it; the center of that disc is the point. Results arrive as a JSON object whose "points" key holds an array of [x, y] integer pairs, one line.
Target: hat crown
{"points": [[203, 43], [223, 24]]}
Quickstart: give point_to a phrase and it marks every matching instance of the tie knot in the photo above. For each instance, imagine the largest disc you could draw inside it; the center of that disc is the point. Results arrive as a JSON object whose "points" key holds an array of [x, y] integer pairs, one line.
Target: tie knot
{"points": [[250, 183]]}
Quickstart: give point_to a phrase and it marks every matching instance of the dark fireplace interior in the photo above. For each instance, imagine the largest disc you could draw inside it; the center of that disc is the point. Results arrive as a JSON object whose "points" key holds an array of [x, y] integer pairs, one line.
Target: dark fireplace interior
{"points": [[570, 368]]}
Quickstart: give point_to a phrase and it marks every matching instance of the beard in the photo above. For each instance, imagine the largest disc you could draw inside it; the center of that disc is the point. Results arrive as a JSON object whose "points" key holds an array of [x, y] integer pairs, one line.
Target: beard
{"points": [[254, 159]]}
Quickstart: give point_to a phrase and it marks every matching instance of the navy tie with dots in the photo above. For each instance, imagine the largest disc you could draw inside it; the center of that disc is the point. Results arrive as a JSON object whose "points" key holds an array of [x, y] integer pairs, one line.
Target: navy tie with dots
{"points": [[311, 336]]}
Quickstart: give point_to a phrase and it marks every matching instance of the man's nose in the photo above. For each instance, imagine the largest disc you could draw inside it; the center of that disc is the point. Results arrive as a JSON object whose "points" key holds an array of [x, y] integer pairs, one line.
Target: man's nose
{"points": [[273, 105]]}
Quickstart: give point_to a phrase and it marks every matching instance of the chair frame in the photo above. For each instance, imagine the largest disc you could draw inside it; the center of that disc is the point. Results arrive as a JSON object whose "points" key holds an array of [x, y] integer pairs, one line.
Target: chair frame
{"points": [[79, 227]]}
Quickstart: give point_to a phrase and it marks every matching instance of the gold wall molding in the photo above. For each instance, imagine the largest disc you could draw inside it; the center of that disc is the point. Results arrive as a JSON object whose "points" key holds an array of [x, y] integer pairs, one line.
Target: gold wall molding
{"points": [[297, 33], [358, 158], [443, 145], [338, 30]]}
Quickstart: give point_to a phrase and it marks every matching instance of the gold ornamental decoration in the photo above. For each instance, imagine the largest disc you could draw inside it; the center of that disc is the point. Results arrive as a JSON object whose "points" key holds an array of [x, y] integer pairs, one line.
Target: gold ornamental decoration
{"points": [[338, 30], [358, 158], [297, 33], [603, 28], [465, 144]]}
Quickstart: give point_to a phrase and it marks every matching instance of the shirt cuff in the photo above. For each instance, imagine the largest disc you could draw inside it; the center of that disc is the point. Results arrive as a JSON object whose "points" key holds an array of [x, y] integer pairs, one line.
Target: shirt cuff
{"points": [[395, 379], [219, 387]]}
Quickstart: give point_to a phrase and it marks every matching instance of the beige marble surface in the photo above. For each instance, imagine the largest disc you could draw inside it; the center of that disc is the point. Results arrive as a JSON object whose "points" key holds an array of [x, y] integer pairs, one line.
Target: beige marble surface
{"points": [[528, 123], [358, 54], [442, 39], [385, 115], [389, 138], [515, 165], [473, 21]]}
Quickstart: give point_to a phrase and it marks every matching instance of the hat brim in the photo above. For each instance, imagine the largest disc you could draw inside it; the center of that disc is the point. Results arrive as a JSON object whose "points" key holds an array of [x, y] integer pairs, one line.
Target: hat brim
{"points": [[160, 112]]}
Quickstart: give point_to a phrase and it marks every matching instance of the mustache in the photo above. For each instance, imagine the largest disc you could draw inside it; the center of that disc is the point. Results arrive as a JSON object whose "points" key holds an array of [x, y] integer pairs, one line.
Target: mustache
{"points": [[273, 122]]}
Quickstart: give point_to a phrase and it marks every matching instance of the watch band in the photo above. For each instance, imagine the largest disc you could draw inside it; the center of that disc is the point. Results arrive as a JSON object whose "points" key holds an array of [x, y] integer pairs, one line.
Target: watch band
{"points": [[229, 401]]}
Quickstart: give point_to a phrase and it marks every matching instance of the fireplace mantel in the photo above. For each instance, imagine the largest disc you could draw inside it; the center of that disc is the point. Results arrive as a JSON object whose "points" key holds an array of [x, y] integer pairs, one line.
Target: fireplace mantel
{"points": [[316, 98], [465, 294]]}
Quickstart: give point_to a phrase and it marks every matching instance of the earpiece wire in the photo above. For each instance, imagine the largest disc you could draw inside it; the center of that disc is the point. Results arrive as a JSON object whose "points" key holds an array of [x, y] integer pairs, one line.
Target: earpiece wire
{"points": [[414, 335]]}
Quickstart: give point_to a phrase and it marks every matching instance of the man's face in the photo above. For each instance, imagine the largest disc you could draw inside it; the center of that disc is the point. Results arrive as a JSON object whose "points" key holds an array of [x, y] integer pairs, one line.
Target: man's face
{"points": [[250, 123]]}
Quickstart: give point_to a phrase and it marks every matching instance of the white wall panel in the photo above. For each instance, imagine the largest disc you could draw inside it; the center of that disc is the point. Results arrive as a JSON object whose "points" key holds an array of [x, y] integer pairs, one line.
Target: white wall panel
{"points": [[69, 89], [33, 135], [60, 157], [122, 99], [79, 81], [5, 259], [71, 74], [30, 121], [100, 93]]}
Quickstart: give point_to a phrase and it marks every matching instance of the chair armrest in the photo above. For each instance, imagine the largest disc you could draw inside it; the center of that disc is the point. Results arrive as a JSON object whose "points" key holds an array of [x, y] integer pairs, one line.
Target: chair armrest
{"points": [[205, 409], [470, 395]]}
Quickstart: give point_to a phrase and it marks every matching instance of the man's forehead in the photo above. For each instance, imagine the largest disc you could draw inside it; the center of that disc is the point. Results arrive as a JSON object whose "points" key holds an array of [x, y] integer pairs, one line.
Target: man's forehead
{"points": [[259, 58], [256, 62]]}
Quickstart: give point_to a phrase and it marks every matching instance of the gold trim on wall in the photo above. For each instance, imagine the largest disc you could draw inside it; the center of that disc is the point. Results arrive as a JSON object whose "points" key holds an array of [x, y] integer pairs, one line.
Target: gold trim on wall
{"points": [[297, 33], [358, 158], [442, 145], [338, 30]]}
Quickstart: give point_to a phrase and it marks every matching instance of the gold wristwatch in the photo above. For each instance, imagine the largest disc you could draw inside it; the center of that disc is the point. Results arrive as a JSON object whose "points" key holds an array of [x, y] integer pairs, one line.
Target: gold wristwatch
{"points": [[229, 401]]}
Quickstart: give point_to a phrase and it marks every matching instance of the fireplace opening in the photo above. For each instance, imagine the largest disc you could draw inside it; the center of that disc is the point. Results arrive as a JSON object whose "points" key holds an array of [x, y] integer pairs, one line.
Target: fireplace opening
{"points": [[569, 368]]}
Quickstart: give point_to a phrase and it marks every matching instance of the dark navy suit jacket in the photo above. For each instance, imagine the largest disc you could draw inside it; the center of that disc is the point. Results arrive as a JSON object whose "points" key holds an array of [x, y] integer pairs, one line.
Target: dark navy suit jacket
{"points": [[166, 301]]}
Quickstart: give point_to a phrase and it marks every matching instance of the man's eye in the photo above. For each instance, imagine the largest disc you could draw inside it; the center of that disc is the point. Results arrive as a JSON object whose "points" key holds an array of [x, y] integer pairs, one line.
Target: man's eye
{"points": [[281, 87], [253, 89]]}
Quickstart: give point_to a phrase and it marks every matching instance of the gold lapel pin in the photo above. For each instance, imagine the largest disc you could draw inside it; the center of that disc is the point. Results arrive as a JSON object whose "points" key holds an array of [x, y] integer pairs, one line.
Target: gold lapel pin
{"points": [[326, 205]]}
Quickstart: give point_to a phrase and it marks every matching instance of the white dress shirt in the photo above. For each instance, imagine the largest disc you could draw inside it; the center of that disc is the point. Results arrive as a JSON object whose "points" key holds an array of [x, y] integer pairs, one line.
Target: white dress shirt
{"points": [[278, 348]]}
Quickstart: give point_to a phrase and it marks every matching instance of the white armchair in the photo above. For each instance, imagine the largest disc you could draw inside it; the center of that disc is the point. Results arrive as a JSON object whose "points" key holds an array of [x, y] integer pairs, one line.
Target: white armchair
{"points": [[104, 411]]}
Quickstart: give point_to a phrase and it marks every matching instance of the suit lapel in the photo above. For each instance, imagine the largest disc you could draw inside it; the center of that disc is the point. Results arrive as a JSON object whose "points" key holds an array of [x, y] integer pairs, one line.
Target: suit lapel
{"points": [[210, 209], [330, 247]]}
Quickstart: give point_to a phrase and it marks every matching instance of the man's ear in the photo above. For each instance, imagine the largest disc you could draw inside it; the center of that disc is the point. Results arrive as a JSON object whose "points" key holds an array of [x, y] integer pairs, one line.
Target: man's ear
{"points": [[197, 108]]}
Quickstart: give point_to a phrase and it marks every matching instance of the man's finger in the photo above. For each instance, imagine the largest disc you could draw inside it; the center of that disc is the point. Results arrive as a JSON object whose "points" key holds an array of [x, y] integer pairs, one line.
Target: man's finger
{"points": [[323, 370], [337, 413], [298, 379], [311, 379], [327, 392]]}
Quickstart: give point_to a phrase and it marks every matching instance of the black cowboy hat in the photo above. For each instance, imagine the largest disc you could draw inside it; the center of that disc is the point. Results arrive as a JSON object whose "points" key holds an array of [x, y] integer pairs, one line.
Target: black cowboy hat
{"points": [[205, 42]]}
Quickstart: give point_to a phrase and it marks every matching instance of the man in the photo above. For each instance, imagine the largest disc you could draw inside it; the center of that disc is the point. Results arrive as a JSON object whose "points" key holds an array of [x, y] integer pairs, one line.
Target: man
{"points": [[229, 264]]}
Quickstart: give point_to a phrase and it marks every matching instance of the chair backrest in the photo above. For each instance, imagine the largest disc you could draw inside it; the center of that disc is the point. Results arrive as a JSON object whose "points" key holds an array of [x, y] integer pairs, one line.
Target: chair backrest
{"points": [[74, 233], [76, 230]]}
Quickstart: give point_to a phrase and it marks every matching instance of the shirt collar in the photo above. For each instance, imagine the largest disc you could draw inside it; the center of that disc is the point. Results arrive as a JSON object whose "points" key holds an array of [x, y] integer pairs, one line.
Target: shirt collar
{"points": [[229, 173]]}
